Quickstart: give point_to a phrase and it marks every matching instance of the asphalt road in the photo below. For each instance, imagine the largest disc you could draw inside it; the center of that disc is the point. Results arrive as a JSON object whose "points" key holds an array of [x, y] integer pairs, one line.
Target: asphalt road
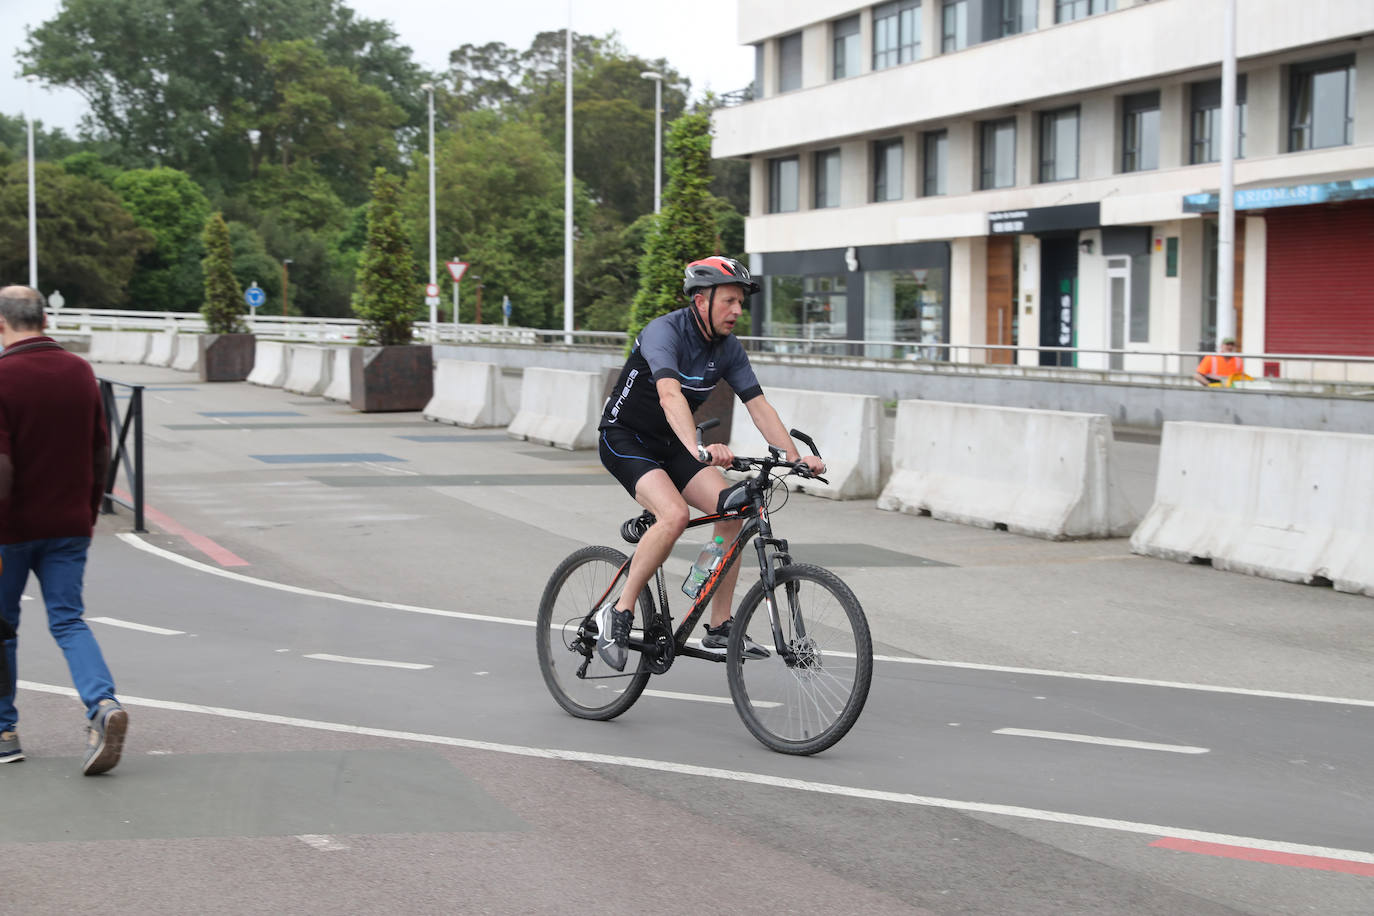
{"points": [[1053, 728]]}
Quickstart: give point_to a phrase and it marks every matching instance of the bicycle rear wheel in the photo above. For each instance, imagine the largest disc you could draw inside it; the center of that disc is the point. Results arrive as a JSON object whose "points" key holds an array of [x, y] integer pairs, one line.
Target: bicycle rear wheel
{"points": [[805, 701], [579, 680]]}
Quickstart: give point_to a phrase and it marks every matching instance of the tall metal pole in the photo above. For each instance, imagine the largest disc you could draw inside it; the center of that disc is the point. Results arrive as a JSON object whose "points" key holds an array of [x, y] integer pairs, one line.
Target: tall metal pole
{"points": [[33, 209], [568, 186], [658, 136], [433, 261], [1226, 210], [285, 283]]}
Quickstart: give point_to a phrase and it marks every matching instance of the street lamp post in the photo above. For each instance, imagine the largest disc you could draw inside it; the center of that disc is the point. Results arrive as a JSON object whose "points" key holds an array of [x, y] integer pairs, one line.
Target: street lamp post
{"points": [[285, 282], [33, 209], [658, 134], [433, 261]]}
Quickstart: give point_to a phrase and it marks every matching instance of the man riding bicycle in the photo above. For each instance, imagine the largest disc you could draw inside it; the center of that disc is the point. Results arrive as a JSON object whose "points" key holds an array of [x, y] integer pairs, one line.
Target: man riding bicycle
{"points": [[648, 438]]}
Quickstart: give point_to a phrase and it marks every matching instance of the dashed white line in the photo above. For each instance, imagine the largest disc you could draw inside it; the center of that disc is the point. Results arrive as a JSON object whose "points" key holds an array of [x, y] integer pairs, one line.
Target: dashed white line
{"points": [[141, 627], [1096, 739], [703, 698], [375, 662]]}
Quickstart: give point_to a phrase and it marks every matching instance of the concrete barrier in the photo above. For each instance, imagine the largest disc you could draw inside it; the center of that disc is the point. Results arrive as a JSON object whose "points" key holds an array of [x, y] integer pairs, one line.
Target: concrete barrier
{"points": [[161, 348], [340, 378], [102, 348], [187, 355], [844, 427], [1289, 504], [118, 346], [468, 394], [269, 363], [558, 407], [1043, 473], [308, 370]]}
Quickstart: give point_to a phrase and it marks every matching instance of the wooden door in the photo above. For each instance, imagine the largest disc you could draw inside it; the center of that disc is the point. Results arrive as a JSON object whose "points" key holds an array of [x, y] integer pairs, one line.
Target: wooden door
{"points": [[1001, 296]]}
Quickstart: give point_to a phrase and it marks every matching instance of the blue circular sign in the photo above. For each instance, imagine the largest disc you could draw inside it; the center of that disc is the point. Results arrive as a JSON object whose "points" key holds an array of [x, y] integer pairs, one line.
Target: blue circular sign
{"points": [[254, 296]]}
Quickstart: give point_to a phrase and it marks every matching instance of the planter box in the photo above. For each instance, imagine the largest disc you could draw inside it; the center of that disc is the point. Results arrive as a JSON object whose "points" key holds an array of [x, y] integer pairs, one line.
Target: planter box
{"points": [[390, 378], [226, 357]]}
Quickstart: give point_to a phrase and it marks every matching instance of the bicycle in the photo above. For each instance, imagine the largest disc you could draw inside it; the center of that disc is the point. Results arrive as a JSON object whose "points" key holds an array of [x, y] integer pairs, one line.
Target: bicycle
{"points": [[800, 700]]}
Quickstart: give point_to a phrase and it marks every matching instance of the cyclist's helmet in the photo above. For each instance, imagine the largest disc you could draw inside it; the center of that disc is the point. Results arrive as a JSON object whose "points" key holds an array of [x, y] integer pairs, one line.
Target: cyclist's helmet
{"points": [[714, 271]]}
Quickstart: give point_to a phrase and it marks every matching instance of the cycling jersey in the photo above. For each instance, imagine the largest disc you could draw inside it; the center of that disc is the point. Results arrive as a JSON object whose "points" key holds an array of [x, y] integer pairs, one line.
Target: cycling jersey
{"points": [[672, 346]]}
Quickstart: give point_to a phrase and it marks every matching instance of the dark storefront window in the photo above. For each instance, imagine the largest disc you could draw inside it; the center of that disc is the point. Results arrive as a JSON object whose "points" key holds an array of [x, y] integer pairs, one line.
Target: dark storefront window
{"points": [[1206, 121], [905, 305], [808, 309], [1322, 103]]}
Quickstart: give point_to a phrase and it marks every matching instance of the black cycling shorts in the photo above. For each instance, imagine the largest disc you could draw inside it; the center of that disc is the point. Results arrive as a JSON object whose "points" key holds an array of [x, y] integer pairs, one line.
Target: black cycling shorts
{"points": [[629, 457]]}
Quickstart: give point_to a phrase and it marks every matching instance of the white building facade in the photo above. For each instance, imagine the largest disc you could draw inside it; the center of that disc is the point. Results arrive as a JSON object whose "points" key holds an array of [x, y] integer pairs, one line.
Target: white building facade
{"points": [[1044, 173]]}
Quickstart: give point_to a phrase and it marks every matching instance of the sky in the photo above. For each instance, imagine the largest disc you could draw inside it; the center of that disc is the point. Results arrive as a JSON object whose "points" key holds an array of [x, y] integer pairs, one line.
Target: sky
{"points": [[647, 28]]}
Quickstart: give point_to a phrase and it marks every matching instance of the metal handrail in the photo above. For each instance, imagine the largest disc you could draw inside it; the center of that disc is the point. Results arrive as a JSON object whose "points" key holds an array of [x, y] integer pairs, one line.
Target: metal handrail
{"points": [[119, 434]]}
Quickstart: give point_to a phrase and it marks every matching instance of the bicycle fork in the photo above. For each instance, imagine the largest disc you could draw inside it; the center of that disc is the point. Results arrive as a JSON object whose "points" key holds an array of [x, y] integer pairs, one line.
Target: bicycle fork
{"points": [[768, 571]]}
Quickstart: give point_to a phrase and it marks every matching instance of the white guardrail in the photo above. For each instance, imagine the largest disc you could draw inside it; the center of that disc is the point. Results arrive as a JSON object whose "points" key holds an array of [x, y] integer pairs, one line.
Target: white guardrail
{"points": [[1286, 371]]}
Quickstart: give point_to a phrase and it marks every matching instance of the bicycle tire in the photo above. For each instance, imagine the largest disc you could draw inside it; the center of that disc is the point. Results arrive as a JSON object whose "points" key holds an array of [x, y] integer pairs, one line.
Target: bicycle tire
{"points": [[806, 707], [572, 590]]}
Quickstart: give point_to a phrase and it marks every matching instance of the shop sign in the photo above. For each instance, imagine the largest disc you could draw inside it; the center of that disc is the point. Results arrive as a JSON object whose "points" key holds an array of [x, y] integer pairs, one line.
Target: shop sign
{"points": [[1045, 219], [1291, 196]]}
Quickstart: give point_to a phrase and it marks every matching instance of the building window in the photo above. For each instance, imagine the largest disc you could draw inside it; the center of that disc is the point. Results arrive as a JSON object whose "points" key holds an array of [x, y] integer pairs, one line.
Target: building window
{"points": [[844, 43], [1206, 121], [808, 309], [1140, 132], [1322, 104], [758, 71], [827, 171], [1016, 16], [935, 152], [906, 305], [887, 170], [1059, 144], [782, 185], [896, 33], [1069, 10], [790, 62], [998, 147], [954, 26]]}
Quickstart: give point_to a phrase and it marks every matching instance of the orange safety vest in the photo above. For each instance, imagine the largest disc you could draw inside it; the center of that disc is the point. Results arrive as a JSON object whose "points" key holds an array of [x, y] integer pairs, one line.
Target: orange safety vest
{"points": [[1220, 366]]}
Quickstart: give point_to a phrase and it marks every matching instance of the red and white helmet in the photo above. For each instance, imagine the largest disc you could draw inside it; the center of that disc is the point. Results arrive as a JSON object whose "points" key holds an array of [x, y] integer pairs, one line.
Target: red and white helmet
{"points": [[717, 271]]}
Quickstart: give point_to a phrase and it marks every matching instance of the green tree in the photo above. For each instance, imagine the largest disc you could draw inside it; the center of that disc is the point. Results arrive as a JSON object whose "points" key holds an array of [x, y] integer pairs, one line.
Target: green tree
{"points": [[88, 242], [386, 297], [685, 229], [172, 207], [223, 305]]}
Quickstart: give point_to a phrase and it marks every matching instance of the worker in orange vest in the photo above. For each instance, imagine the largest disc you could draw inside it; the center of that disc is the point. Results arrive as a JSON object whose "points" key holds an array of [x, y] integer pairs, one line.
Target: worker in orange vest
{"points": [[1217, 368]]}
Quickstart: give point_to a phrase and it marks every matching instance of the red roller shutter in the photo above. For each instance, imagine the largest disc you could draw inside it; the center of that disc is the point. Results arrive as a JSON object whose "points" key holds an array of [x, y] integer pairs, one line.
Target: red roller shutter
{"points": [[1320, 279]]}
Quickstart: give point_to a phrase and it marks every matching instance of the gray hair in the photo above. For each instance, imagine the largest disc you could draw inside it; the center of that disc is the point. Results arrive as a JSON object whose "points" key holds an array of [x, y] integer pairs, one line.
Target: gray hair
{"points": [[22, 308]]}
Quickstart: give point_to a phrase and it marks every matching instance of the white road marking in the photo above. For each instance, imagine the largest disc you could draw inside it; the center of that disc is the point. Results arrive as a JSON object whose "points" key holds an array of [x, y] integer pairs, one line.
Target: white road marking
{"points": [[703, 698], [760, 779], [135, 541], [141, 627], [1094, 739], [376, 662], [321, 842]]}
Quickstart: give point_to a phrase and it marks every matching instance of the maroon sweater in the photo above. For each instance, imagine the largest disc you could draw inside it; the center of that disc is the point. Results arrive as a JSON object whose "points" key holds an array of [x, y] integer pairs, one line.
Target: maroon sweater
{"points": [[52, 430]]}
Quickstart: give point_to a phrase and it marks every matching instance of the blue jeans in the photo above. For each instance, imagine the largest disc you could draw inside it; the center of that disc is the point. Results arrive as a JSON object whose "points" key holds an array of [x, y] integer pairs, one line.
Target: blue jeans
{"points": [[59, 564]]}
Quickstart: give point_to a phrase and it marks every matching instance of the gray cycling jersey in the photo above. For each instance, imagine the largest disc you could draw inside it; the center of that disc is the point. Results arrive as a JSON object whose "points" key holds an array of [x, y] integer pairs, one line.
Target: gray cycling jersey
{"points": [[672, 346]]}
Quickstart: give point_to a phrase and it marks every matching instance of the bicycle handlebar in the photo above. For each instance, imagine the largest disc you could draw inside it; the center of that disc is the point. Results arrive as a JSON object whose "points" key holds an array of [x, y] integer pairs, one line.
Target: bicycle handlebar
{"points": [[742, 463]]}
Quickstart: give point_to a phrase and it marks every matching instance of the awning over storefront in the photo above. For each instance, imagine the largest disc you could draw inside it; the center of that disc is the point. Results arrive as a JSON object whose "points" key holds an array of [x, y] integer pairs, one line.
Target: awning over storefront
{"points": [[1284, 196]]}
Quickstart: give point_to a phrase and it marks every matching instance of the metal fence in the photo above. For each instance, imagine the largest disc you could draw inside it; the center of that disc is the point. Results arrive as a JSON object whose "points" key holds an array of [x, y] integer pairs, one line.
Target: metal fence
{"points": [[120, 435], [1287, 371]]}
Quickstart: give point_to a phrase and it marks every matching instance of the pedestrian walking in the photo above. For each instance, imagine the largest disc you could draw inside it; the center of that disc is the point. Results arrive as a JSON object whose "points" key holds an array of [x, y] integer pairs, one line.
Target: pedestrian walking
{"points": [[54, 452]]}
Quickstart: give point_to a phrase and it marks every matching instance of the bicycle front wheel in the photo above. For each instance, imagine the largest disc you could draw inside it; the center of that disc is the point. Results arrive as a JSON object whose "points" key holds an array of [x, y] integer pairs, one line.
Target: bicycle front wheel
{"points": [[579, 680], [805, 699]]}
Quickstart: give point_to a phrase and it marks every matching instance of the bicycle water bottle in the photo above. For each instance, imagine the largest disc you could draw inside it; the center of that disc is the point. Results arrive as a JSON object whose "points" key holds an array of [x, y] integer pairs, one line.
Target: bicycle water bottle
{"points": [[707, 561]]}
